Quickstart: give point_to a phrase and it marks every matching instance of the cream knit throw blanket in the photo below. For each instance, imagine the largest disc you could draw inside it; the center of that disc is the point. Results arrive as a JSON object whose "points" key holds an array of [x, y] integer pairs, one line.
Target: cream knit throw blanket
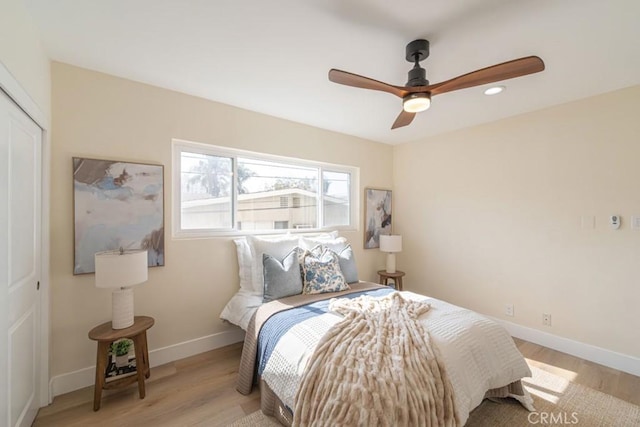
{"points": [[376, 367]]}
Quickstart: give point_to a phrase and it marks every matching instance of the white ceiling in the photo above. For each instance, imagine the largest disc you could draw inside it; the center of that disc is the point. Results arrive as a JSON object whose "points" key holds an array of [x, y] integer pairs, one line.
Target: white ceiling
{"points": [[273, 56]]}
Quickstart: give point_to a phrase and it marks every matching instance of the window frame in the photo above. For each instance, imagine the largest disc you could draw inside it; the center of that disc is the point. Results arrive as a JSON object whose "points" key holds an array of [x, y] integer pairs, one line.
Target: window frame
{"points": [[178, 146]]}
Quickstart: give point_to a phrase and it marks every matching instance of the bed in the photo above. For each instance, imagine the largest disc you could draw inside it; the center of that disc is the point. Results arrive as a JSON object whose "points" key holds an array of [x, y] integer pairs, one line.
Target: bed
{"points": [[283, 336]]}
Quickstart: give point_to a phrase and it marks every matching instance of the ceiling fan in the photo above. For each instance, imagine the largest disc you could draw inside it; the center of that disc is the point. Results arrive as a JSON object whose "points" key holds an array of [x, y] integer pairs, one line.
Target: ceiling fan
{"points": [[416, 95]]}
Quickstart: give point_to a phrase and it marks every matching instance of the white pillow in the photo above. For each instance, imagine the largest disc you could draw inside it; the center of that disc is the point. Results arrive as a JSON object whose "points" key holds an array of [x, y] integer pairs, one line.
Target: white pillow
{"points": [[240, 308], [318, 238], [335, 244], [244, 263], [325, 236], [277, 248], [245, 302]]}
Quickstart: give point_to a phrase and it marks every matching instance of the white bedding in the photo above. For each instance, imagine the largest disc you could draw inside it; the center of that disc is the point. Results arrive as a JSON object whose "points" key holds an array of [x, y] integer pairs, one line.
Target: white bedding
{"points": [[478, 354]]}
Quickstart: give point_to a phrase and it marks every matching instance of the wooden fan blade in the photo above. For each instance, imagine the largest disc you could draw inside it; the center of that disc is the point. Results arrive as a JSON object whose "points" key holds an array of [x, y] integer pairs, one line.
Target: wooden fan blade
{"points": [[355, 80], [403, 119], [506, 70]]}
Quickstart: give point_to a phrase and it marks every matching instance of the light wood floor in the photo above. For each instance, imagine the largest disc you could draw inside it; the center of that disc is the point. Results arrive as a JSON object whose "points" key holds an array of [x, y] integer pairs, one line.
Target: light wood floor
{"points": [[200, 391]]}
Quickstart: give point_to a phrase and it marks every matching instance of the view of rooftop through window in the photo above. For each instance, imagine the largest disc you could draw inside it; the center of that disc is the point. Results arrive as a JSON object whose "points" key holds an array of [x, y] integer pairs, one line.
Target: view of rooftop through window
{"points": [[272, 195]]}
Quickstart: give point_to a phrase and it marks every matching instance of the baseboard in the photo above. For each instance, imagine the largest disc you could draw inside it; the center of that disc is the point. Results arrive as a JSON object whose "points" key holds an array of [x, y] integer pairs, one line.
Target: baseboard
{"points": [[70, 381], [612, 359]]}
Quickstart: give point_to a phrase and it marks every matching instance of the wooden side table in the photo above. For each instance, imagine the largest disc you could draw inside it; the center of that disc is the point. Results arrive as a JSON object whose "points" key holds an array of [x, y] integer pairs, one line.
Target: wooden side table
{"points": [[105, 335], [397, 278]]}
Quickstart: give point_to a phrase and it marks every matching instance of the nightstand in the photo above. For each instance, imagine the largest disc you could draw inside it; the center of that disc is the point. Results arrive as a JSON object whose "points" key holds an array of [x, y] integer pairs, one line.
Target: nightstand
{"points": [[105, 335], [397, 278]]}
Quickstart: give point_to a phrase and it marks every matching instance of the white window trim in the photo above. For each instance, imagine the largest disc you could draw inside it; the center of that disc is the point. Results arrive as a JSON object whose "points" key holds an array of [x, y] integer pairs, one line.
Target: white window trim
{"points": [[179, 145]]}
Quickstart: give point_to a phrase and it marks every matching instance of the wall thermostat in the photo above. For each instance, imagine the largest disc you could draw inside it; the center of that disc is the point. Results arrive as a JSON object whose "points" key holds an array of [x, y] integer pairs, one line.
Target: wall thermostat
{"points": [[614, 222]]}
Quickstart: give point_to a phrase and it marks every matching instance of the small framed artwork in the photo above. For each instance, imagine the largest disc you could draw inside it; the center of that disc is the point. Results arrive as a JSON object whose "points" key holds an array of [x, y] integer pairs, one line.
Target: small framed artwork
{"points": [[117, 205], [377, 216]]}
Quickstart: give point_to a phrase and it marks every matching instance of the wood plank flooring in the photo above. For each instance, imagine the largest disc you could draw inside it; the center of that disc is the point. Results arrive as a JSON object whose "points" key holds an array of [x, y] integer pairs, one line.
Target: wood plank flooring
{"points": [[200, 391], [607, 380]]}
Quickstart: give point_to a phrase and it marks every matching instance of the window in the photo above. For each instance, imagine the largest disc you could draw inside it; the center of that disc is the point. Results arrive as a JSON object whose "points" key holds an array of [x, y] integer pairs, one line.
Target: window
{"points": [[281, 225], [216, 187], [205, 191], [336, 188]]}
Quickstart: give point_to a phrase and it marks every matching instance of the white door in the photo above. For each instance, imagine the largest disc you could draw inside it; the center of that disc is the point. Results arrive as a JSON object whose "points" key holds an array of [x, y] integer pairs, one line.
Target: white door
{"points": [[20, 260]]}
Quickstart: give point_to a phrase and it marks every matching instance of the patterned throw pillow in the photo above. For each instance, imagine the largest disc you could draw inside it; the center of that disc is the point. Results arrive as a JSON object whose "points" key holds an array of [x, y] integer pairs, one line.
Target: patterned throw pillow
{"points": [[321, 272]]}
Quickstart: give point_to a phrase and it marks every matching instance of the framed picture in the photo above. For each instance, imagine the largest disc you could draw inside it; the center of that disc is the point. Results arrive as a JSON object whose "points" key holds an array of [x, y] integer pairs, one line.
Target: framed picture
{"points": [[377, 216], [117, 205]]}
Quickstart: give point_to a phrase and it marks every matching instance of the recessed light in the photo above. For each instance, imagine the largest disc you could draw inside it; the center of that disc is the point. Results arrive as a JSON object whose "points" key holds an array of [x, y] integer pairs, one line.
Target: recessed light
{"points": [[494, 90]]}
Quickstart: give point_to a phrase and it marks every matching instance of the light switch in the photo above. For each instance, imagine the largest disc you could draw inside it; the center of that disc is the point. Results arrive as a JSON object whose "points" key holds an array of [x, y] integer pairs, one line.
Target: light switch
{"points": [[635, 222], [587, 222]]}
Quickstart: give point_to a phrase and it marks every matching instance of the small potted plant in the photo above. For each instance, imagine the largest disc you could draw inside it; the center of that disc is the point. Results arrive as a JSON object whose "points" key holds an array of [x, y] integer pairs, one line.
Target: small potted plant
{"points": [[121, 350]]}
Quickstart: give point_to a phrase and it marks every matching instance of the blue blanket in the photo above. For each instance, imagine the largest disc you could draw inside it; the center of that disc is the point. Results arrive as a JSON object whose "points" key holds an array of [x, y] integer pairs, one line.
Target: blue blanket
{"points": [[278, 325]]}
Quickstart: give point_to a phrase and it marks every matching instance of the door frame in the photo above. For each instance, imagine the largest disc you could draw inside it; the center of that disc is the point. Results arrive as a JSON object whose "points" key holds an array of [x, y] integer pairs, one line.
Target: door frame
{"points": [[19, 95]]}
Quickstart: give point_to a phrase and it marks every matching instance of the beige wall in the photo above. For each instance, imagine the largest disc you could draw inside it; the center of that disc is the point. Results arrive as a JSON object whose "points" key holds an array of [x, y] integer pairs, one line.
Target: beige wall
{"points": [[492, 215], [101, 116], [22, 54]]}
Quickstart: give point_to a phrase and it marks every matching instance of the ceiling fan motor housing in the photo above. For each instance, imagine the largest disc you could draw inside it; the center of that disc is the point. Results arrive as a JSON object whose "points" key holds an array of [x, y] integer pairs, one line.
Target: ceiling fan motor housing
{"points": [[417, 77], [416, 51]]}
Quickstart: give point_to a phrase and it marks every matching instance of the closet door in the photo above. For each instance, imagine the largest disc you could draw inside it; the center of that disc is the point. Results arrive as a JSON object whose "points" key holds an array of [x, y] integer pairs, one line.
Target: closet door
{"points": [[20, 260]]}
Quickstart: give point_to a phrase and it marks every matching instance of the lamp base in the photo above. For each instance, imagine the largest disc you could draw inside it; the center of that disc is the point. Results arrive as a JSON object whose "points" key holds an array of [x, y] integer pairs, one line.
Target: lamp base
{"points": [[391, 262], [122, 308]]}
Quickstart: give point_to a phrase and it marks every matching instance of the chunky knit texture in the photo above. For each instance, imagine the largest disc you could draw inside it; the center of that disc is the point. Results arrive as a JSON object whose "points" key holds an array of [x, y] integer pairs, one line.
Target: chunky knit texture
{"points": [[376, 367]]}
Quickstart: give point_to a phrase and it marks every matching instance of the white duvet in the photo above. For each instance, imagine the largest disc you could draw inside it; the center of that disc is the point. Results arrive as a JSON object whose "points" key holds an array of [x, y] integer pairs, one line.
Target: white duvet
{"points": [[478, 354]]}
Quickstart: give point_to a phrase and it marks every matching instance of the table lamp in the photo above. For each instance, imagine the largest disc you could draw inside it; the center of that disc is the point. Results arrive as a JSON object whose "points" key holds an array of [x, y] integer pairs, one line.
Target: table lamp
{"points": [[120, 270], [391, 244]]}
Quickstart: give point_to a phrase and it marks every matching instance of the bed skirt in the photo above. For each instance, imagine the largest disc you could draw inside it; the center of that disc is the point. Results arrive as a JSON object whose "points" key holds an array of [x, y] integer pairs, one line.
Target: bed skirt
{"points": [[272, 406]]}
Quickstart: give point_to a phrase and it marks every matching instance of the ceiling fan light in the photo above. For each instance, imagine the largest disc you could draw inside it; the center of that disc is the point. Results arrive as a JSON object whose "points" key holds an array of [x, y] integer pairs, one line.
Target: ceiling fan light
{"points": [[416, 102]]}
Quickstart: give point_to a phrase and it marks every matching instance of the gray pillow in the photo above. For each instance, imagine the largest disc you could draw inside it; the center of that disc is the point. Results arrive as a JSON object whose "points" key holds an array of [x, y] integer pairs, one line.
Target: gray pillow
{"points": [[281, 278], [348, 264]]}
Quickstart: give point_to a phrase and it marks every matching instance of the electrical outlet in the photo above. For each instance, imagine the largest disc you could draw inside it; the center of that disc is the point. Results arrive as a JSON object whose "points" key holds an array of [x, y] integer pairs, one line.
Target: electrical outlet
{"points": [[508, 309], [546, 319]]}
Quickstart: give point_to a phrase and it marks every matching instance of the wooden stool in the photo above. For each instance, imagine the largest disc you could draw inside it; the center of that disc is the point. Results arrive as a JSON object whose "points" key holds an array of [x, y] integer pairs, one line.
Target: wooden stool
{"points": [[105, 335], [397, 278]]}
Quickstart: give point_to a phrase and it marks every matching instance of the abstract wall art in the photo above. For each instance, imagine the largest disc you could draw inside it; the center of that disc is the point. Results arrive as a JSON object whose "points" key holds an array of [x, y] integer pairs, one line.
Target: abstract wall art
{"points": [[377, 216], [117, 205]]}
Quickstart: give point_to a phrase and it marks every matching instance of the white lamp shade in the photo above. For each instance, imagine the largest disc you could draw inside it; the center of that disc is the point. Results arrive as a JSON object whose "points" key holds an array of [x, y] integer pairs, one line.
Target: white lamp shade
{"points": [[391, 243], [119, 270]]}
